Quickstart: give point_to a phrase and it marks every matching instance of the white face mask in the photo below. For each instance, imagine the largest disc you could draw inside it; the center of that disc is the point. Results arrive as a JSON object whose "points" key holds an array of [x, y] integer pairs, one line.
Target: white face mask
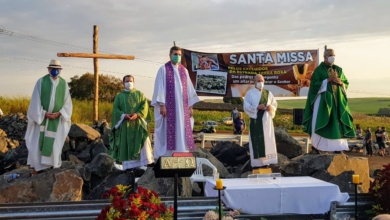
{"points": [[331, 59], [260, 85], [129, 85]]}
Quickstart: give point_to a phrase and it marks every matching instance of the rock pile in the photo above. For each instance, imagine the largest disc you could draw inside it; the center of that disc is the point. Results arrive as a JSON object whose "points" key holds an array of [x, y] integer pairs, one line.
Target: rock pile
{"points": [[12, 131], [88, 171]]}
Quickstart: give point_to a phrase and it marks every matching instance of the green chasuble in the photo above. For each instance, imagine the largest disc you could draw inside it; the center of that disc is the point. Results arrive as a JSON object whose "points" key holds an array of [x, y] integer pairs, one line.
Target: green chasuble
{"points": [[48, 127], [127, 140], [256, 129], [334, 119]]}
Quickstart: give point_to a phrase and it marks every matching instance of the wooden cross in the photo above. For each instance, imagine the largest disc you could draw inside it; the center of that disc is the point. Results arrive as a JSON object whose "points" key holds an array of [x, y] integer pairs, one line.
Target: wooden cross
{"points": [[95, 55]]}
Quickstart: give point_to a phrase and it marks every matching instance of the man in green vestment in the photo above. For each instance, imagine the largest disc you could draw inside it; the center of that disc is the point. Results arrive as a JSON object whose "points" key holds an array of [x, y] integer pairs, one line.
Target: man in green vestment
{"points": [[260, 105], [327, 117], [129, 139]]}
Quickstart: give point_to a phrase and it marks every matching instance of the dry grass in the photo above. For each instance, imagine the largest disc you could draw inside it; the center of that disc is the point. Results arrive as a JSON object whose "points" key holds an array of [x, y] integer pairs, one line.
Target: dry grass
{"points": [[83, 113]]}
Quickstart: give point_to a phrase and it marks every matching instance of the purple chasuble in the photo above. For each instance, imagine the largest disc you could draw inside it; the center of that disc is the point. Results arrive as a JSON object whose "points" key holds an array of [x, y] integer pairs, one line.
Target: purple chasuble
{"points": [[171, 107]]}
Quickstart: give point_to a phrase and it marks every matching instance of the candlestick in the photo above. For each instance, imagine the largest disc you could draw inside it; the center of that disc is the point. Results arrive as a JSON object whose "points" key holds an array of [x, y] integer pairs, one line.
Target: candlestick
{"points": [[355, 179], [218, 184], [219, 198]]}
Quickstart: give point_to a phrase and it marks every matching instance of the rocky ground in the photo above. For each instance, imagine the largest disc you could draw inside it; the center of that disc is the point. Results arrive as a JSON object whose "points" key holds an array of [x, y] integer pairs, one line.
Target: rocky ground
{"points": [[85, 159]]}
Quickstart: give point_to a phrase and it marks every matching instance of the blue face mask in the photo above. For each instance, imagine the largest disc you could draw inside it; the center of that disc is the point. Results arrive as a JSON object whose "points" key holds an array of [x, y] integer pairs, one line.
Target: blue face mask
{"points": [[176, 59], [54, 72]]}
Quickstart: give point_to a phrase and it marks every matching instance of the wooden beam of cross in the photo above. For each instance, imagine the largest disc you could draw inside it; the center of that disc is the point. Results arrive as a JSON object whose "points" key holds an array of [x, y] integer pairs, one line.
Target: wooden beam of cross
{"points": [[95, 55]]}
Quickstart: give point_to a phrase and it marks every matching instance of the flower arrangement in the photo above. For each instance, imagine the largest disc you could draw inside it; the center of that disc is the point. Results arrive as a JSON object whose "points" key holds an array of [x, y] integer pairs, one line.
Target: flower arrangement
{"points": [[213, 215], [141, 205]]}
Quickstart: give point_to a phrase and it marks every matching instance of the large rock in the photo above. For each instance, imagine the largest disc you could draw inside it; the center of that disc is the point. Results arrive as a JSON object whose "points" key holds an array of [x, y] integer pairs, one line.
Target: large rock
{"points": [[358, 165], [101, 165], [67, 187], [83, 132], [50, 186], [115, 178], [286, 144], [334, 168], [163, 186], [230, 153]]}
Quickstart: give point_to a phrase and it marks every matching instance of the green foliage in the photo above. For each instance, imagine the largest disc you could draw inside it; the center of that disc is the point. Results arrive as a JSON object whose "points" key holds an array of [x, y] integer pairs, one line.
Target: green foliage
{"points": [[384, 111], [233, 100], [82, 88], [380, 189]]}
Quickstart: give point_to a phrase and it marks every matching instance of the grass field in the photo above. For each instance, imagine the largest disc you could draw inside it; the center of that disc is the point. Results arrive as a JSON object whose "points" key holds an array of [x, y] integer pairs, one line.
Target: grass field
{"points": [[357, 105]]}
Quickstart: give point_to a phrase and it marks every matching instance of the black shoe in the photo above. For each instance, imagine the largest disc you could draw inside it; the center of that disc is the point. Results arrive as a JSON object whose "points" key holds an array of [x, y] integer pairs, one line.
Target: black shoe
{"points": [[130, 171], [337, 152], [314, 150], [151, 165]]}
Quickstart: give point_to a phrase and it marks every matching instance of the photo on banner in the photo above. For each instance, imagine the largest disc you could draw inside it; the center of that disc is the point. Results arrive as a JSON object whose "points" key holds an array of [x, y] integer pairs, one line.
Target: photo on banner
{"points": [[286, 73]]}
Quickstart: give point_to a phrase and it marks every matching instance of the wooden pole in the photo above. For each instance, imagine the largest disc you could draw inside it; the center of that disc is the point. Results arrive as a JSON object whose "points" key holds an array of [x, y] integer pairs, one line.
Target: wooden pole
{"points": [[95, 55], [88, 55], [96, 75]]}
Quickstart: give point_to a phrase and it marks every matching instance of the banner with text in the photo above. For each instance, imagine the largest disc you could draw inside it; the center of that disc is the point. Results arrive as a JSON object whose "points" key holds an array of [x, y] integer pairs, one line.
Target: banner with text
{"points": [[286, 73]]}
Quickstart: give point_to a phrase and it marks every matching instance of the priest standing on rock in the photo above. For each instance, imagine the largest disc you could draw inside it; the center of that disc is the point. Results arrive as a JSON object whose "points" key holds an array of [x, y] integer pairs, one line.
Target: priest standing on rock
{"points": [[260, 105], [49, 115], [173, 98], [327, 118], [129, 139]]}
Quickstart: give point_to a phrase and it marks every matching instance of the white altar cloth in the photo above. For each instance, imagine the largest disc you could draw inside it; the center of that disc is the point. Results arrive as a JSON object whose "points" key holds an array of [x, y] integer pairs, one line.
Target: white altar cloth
{"points": [[283, 195]]}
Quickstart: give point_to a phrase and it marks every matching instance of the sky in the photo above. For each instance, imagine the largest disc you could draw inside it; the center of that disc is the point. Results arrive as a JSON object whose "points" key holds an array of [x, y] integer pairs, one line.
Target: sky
{"points": [[33, 32]]}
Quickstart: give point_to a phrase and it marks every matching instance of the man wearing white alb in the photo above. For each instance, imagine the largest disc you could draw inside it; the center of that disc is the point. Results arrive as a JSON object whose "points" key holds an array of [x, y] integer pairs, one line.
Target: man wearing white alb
{"points": [[173, 98], [49, 115], [260, 105]]}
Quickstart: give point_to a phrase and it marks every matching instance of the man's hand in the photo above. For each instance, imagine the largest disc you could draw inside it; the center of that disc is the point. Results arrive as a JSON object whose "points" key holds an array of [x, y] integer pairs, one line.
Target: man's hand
{"points": [[57, 114], [49, 115], [269, 108], [338, 81], [52, 115], [133, 117], [332, 77], [127, 117], [191, 111], [163, 110], [261, 107]]}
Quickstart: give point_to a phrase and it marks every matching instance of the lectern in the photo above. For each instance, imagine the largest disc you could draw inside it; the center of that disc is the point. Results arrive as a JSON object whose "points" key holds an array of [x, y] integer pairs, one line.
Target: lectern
{"points": [[175, 166]]}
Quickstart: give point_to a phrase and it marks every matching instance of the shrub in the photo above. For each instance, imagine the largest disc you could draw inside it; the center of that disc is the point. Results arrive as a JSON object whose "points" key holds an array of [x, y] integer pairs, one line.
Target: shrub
{"points": [[380, 190]]}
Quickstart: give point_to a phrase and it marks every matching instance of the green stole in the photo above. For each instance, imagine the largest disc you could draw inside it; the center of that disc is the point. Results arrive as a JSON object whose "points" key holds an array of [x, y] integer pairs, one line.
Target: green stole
{"points": [[48, 127], [256, 129]]}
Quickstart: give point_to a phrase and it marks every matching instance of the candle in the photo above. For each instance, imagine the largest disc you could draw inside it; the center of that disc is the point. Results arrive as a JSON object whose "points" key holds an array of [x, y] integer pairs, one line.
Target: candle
{"points": [[218, 184], [355, 179]]}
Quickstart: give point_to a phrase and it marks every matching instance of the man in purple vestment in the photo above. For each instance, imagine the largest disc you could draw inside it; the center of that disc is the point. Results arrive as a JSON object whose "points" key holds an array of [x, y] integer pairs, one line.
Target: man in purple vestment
{"points": [[173, 98]]}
